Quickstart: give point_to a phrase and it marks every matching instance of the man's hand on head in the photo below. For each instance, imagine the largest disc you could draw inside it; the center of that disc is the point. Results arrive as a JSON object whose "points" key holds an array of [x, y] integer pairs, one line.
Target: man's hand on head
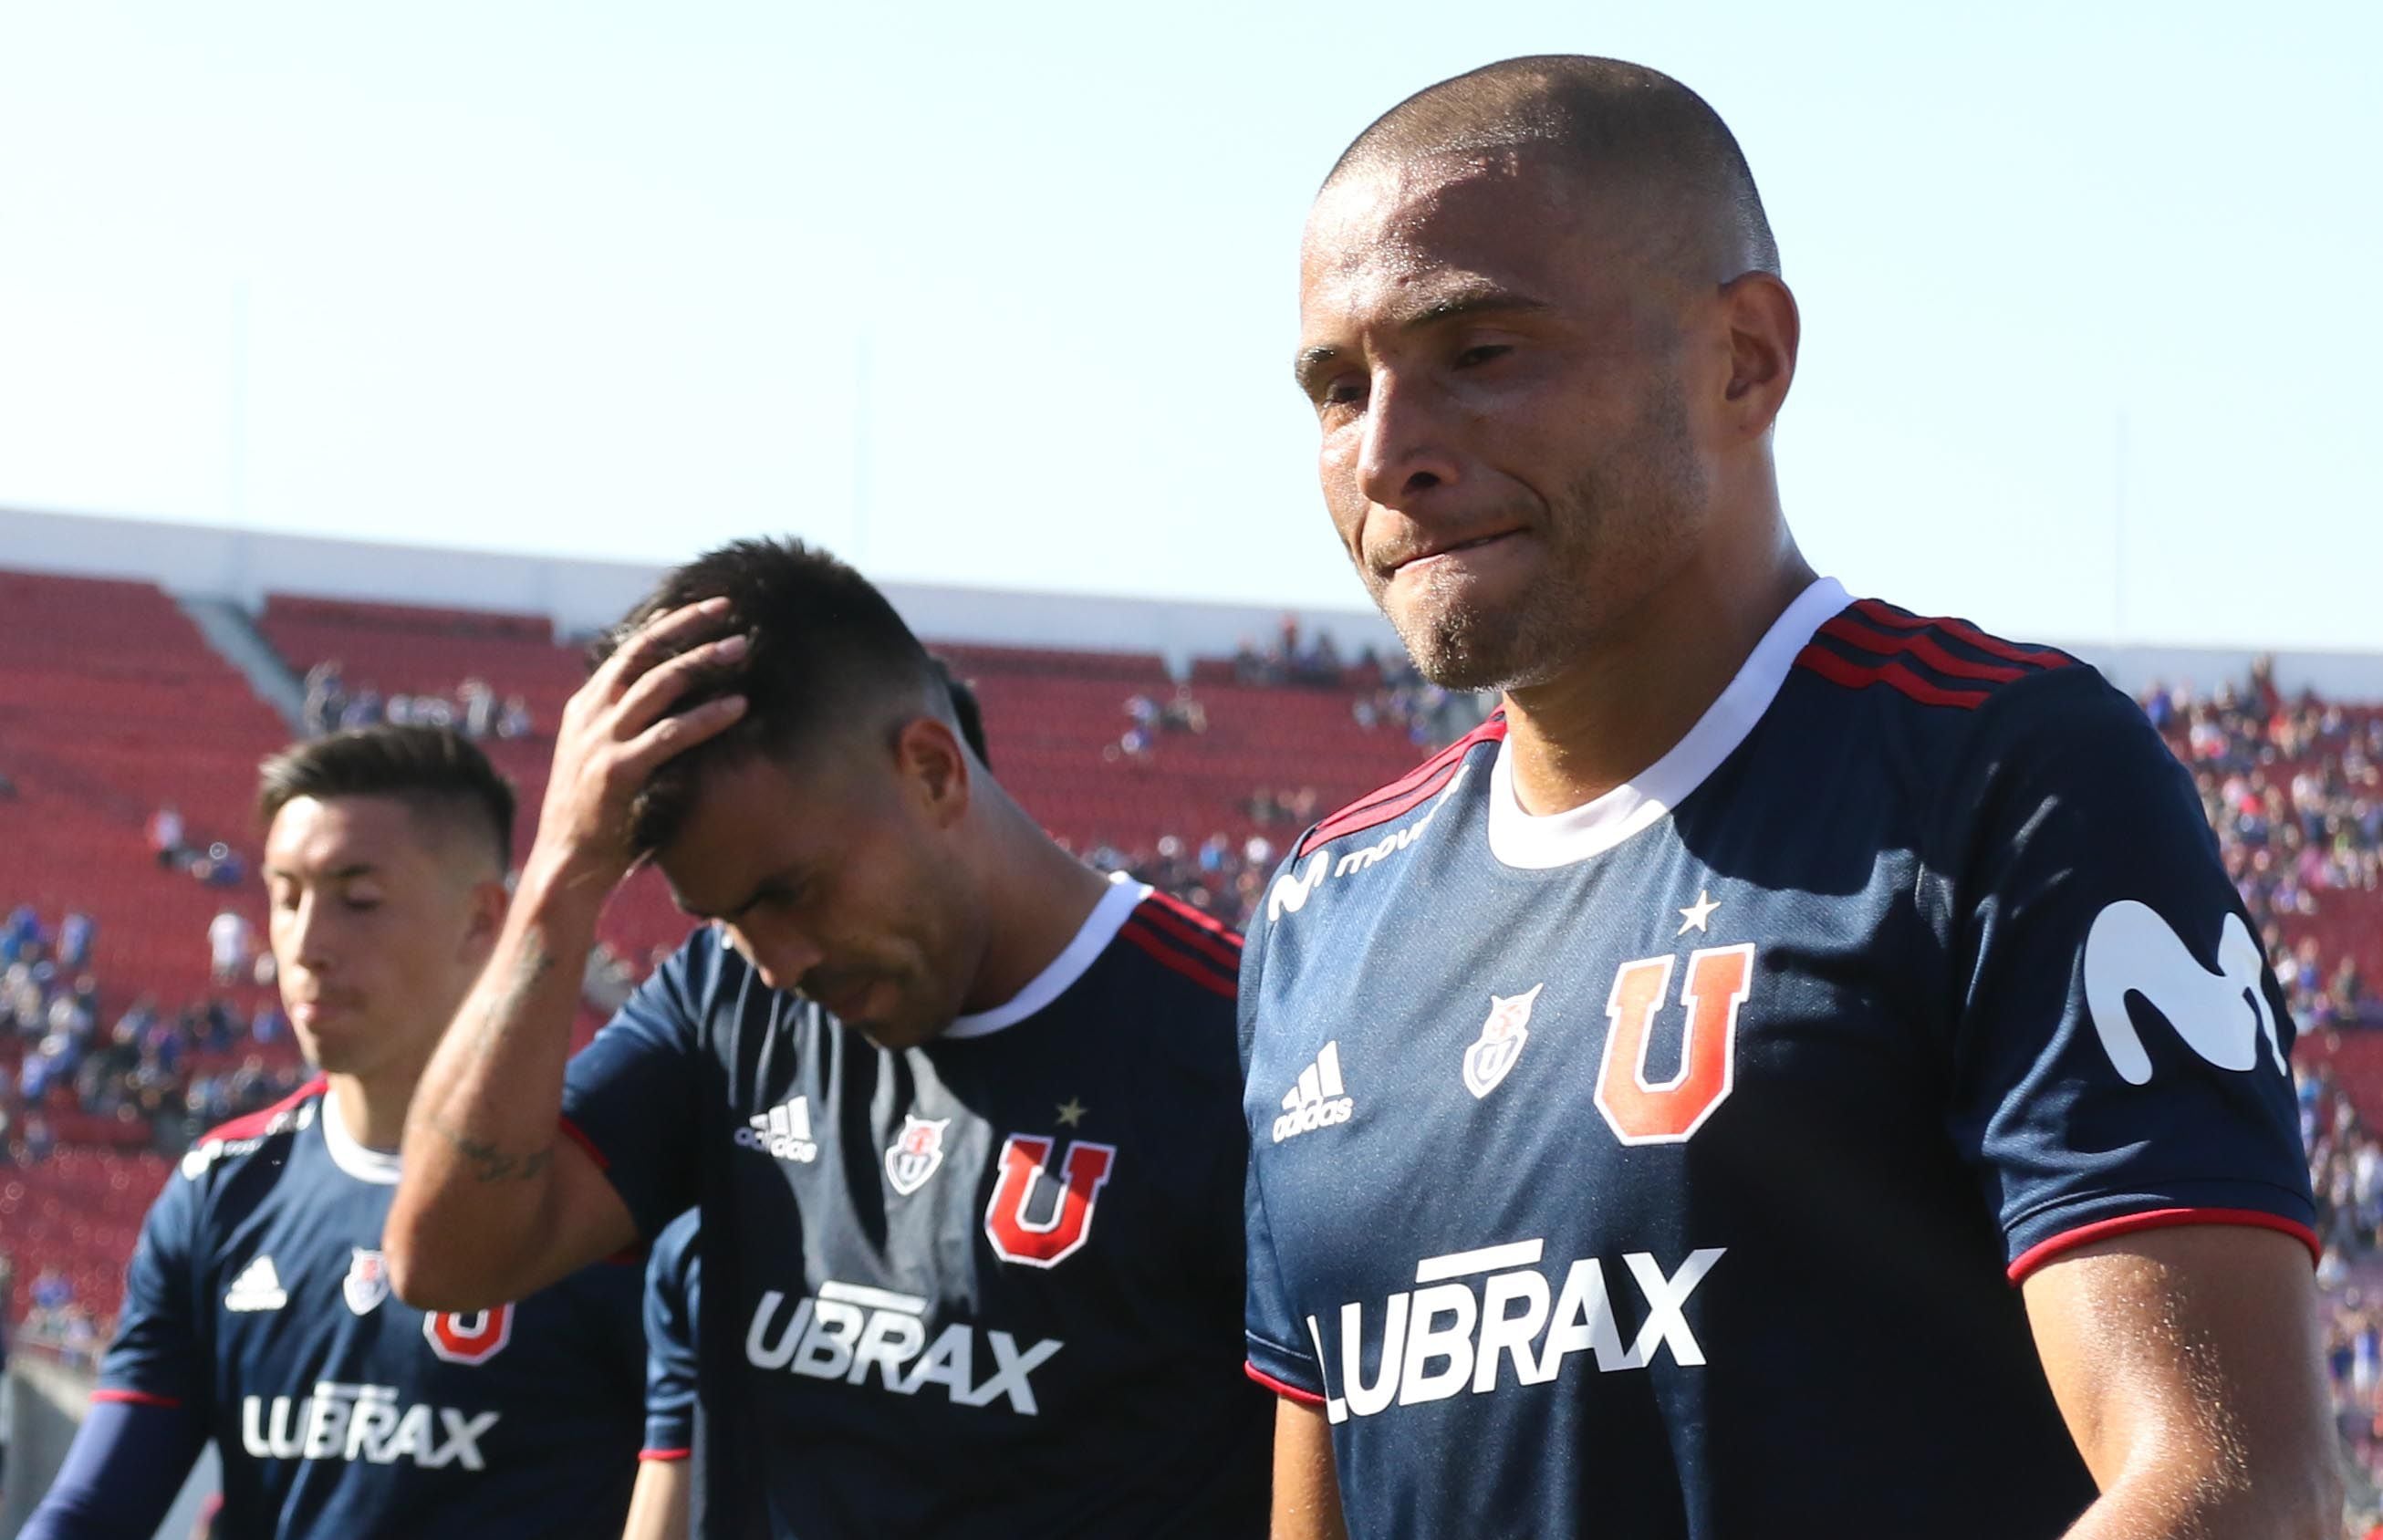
{"points": [[619, 728]]}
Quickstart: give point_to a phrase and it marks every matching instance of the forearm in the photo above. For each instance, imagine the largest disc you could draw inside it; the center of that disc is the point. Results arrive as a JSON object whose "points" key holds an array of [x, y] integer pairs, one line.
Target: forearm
{"points": [[2213, 1504], [473, 1222]]}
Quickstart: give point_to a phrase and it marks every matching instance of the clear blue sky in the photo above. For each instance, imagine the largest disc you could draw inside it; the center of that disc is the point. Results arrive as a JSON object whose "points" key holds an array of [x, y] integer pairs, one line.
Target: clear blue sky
{"points": [[600, 279]]}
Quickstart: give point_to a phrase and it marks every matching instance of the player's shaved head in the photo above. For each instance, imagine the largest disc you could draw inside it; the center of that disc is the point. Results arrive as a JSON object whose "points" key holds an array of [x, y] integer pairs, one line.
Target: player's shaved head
{"points": [[1631, 134]]}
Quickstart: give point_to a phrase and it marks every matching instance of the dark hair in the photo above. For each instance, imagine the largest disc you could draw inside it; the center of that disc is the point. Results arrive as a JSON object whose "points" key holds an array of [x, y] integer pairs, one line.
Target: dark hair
{"points": [[964, 707], [1631, 127], [827, 652], [432, 769]]}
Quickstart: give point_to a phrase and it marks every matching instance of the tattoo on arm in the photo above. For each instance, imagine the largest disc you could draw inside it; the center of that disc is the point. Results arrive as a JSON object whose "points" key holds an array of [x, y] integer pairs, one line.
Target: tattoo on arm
{"points": [[489, 1163]]}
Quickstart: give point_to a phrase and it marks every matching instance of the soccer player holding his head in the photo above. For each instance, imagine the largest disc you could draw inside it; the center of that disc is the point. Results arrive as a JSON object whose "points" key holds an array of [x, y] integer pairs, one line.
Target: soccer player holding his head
{"points": [[1799, 1070], [962, 1117], [257, 1310], [664, 1507]]}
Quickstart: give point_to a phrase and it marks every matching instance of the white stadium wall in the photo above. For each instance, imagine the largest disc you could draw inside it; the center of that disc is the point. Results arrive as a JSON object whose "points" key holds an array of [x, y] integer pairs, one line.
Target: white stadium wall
{"points": [[205, 561]]}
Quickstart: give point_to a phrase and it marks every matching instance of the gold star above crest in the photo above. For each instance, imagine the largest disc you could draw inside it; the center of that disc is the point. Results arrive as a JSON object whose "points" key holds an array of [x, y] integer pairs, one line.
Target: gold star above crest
{"points": [[1696, 916], [1071, 1113]]}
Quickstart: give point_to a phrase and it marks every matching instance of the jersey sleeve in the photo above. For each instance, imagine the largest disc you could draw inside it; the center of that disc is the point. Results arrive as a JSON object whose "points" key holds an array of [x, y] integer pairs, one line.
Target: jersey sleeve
{"points": [[629, 1097], [160, 1354], [1280, 1357], [673, 1277], [2118, 1045]]}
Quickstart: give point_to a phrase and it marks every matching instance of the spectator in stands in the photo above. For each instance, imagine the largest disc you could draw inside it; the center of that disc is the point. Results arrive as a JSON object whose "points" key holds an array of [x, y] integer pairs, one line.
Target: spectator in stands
{"points": [[514, 721], [75, 934], [326, 698], [230, 943], [479, 704], [21, 940], [165, 836]]}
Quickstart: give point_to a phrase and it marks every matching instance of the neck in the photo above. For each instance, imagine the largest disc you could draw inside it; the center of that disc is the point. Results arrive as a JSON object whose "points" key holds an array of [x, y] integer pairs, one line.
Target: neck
{"points": [[1038, 897], [1647, 679], [372, 1107]]}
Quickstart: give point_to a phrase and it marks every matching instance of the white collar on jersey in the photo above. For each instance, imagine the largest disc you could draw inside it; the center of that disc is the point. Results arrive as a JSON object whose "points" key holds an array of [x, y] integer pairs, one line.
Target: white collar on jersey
{"points": [[1100, 928], [1519, 839], [362, 1161]]}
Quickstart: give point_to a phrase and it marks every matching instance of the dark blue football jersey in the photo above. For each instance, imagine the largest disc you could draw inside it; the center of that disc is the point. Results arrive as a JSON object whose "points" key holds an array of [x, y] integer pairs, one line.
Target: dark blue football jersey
{"points": [[673, 1298], [257, 1294], [986, 1286], [1664, 1167]]}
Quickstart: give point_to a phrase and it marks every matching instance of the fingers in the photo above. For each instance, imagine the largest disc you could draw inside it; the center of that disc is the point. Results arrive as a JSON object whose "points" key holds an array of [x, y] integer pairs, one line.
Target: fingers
{"points": [[656, 641], [648, 697], [674, 735]]}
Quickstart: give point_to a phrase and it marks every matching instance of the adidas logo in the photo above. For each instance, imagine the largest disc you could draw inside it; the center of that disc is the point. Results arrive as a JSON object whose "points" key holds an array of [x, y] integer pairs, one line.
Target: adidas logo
{"points": [[258, 1287], [784, 1132], [1318, 1100]]}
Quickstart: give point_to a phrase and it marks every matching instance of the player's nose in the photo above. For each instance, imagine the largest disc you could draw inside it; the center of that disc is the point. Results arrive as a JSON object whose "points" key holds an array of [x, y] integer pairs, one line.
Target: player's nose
{"points": [[779, 955], [1403, 452]]}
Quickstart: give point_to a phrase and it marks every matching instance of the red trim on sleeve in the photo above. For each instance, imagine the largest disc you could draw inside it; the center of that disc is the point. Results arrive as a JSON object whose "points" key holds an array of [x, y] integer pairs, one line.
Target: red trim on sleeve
{"points": [[2043, 1252], [664, 1454], [1288, 1392], [138, 1397], [571, 1131]]}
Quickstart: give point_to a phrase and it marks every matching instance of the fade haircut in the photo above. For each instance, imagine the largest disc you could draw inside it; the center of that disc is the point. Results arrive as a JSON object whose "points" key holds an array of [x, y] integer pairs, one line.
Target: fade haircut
{"points": [[436, 771], [968, 715], [1629, 130], [826, 655]]}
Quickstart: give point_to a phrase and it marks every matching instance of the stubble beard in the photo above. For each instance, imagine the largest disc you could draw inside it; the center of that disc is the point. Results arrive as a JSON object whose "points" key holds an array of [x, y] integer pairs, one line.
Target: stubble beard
{"points": [[1623, 521]]}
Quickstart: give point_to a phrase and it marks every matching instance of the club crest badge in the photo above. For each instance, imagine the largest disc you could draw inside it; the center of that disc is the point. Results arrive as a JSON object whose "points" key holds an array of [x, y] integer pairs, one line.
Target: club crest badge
{"points": [[1501, 1043], [917, 1154], [366, 1284]]}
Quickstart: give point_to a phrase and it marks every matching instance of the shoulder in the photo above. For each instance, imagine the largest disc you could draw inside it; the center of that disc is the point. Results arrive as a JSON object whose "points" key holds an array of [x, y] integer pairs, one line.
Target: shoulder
{"points": [[1407, 793], [1199, 952], [234, 1143], [1907, 661]]}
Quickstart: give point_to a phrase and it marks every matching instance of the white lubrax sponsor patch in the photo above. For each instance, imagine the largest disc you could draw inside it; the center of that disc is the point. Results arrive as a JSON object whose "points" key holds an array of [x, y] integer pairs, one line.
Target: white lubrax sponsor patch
{"points": [[1448, 1335], [848, 1332], [362, 1423]]}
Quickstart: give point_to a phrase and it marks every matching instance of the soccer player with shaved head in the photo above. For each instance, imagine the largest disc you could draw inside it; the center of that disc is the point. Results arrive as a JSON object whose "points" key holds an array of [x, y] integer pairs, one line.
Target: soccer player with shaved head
{"points": [[257, 1309], [1799, 1069]]}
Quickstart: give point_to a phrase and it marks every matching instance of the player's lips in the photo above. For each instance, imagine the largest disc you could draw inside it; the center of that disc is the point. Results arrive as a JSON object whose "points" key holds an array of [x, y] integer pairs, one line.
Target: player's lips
{"points": [[314, 1013], [1433, 552]]}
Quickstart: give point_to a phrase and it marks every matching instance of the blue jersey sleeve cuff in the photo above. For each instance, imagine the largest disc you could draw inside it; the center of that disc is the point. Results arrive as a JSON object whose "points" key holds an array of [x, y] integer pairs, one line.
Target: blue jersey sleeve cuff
{"points": [[1286, 1372], [2048, 1233]]}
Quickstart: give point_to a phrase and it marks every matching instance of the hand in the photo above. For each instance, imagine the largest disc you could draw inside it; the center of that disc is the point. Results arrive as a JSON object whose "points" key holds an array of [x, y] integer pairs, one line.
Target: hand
{"points": [[617, 730]]}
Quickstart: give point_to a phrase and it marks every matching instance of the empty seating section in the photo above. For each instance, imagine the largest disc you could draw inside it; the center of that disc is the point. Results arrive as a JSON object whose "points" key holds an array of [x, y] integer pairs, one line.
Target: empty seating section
{"points": [[111, 707]]}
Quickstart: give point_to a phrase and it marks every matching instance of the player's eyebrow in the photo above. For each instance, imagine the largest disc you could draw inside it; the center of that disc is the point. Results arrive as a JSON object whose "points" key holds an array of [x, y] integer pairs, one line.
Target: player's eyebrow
{"points": [[353, 869], [787, 880], [1470, 299]]}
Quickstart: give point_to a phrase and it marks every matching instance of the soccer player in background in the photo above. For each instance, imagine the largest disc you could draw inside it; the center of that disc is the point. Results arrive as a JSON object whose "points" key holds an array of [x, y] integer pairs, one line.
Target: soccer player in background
{"points": [[664, 1507], [1799, 1070], [962, 1117], [257, 1309]]}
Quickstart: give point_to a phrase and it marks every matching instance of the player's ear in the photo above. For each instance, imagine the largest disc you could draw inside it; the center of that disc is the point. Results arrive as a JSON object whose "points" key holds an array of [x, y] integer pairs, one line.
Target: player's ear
{"points": [[934, 768], [484, 916], [1764, 329]]}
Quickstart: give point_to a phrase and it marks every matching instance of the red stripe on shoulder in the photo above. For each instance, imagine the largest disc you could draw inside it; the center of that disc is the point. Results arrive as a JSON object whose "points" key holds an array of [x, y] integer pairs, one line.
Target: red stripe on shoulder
{"points": [[2043, 1252], [1289, 1392], [2034, 658], [1200, 972], [135, 1397], [1199, 917], [1226, 952], [1859, 676], [1921, 646], [1407, 793], [252, 1125]]}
